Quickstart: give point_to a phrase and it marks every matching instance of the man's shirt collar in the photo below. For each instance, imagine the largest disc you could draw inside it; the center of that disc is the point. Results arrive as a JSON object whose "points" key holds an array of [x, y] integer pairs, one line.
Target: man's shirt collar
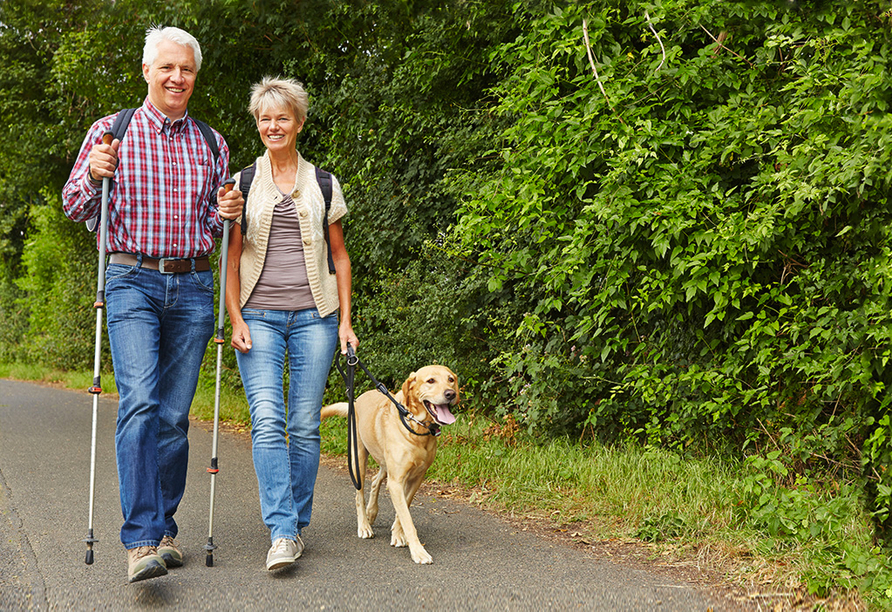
{"points": [[158, 120]]}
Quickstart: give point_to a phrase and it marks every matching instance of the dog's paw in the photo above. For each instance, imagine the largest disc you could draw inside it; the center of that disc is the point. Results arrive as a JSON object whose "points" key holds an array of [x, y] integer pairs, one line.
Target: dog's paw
{"points": [[398, 539], [421, 556], [365, 532]]}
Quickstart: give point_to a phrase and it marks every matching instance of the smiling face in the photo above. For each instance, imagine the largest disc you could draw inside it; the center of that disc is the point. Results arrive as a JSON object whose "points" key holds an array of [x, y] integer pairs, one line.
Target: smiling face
{"points": [[171, 78], [278, 129]]}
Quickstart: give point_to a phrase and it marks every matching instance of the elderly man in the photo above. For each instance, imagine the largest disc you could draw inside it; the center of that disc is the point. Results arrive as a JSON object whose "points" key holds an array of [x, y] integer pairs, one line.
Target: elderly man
{"points": [[165, 208]]}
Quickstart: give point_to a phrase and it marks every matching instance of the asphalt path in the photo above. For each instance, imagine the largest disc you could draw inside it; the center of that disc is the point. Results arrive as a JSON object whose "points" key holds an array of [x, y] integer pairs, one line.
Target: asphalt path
{"points": [[480, 561]]}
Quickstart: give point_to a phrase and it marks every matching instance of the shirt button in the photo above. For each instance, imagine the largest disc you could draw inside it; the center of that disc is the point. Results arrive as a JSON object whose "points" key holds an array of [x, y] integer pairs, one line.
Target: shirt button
{"points": [[303, 213], [308, 241]]}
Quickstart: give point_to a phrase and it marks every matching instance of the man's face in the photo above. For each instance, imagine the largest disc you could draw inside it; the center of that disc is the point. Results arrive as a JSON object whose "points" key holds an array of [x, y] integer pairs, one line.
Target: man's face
{"points": [[171, 78]]}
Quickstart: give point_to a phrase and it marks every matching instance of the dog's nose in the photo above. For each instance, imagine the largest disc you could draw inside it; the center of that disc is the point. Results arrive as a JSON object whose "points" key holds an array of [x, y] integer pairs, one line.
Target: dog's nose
{"points": [[449, 394]]}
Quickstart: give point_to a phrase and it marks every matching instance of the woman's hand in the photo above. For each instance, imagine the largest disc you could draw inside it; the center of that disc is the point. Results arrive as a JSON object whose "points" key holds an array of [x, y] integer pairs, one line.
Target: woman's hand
{"points": [[345, 333], [241, 337]]}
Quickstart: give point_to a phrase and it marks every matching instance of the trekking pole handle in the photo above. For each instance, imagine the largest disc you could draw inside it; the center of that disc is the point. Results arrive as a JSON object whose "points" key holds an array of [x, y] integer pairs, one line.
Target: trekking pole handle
{"points": [[108, 137], [228, 184]]}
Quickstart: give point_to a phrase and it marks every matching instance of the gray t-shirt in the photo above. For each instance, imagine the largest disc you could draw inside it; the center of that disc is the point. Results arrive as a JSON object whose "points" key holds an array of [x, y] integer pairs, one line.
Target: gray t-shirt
{"points": [[283, 283]]}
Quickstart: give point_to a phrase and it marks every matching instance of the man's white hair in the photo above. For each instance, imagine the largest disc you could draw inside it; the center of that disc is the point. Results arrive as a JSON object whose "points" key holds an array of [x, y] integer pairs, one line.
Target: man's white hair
{"points": [[156, 34]]}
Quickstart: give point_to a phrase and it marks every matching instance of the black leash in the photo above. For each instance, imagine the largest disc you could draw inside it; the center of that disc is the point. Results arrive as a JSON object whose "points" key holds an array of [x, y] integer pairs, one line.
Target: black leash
{"points": [[352, 444], [433, 429]]}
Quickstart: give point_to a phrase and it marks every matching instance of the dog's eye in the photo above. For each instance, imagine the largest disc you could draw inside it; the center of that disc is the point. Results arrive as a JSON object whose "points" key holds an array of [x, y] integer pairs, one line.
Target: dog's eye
{"points": [[431, 381], [451, 379]]}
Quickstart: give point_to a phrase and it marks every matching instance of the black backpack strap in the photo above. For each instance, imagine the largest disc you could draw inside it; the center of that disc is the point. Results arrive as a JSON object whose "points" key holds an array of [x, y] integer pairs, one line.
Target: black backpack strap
{"points": [[244, 185], [209, 137], [119, 127], [324, 180]]}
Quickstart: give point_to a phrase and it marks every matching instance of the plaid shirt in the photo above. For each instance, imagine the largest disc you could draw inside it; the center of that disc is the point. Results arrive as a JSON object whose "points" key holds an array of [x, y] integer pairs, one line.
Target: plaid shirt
{"points": [[163, 199]]}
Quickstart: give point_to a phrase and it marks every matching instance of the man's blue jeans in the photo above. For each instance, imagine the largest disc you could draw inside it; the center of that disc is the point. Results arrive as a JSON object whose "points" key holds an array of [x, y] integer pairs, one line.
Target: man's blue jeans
{"points": [[285, 441], [159, 326]]}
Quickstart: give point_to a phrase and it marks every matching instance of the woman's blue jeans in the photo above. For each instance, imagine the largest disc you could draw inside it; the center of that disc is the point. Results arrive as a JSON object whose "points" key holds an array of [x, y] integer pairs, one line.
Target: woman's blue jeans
{"points": [[285, 440], [159, 326]]}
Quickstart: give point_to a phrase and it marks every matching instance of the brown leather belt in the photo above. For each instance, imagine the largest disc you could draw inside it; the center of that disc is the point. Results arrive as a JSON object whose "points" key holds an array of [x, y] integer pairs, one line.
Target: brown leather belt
{"points": [[164, 265]]}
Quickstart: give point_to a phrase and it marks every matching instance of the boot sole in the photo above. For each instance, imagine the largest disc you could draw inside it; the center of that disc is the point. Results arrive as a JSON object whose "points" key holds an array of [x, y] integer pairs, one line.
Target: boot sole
{"points": [[171, 561], [280, 564], [152, 570]]}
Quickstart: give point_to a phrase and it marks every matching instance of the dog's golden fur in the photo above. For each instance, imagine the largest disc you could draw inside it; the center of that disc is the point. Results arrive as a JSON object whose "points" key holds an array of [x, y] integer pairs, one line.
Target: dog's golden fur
{"points": [[404, 457]]}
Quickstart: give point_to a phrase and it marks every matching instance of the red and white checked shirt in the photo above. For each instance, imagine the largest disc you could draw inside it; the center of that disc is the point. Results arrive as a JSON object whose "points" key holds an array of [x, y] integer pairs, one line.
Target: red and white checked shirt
{"points": [[163, 199]]}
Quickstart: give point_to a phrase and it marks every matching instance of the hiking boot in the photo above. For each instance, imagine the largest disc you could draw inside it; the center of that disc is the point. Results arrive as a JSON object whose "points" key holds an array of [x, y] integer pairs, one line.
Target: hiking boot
{"points": [[170, 552], [283, 553], [144, 562]]}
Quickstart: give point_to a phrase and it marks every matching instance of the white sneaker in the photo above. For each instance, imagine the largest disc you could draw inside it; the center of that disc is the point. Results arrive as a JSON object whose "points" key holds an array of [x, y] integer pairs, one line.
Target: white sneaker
{"points": [[283, 553]]}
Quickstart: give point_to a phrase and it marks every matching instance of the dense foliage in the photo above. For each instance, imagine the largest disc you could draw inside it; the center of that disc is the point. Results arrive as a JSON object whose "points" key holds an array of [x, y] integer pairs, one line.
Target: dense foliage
{"points": [[665, 222]]}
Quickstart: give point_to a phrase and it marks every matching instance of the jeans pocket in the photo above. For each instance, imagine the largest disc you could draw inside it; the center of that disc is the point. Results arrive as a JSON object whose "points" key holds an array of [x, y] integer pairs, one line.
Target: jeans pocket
{"points": [[332, 316], [204, 280], [118, 271], [253, 314]]}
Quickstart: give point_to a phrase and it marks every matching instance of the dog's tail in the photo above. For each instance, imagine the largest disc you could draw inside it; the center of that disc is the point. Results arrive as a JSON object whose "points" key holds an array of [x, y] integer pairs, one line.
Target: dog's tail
{"points": [[339, 409]]}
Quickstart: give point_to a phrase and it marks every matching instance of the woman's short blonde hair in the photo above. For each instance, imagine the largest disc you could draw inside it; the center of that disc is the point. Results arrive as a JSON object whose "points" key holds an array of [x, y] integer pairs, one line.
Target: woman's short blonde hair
{"points": [[275, 92]]}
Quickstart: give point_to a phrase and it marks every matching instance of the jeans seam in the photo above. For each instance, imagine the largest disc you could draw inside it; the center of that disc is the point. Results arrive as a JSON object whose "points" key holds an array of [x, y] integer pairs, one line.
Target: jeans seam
{"points": [[138, 543]]}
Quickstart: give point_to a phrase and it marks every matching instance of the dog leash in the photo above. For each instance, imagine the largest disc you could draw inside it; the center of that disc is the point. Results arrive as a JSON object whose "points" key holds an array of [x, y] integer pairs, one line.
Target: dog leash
{"points": [[433, 429], [352, 444]]}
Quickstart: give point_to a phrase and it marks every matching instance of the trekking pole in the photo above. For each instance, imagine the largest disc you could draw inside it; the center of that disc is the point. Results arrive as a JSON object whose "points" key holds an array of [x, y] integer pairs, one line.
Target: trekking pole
{"points": [[221, 315], [96, 389]]}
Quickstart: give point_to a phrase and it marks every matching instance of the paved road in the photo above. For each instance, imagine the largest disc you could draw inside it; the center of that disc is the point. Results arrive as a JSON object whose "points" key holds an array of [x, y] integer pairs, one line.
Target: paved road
{"points": [[480, 562]]}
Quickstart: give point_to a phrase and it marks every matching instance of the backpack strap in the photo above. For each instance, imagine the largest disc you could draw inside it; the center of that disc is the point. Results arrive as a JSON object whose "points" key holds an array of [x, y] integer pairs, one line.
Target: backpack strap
{"points": [[119, 127], [244, 185], [324, 180], [209, 137]]}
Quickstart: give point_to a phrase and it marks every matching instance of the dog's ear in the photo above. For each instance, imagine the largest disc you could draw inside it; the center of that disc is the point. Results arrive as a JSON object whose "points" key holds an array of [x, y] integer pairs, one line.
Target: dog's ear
{"points": [[407, 387]]}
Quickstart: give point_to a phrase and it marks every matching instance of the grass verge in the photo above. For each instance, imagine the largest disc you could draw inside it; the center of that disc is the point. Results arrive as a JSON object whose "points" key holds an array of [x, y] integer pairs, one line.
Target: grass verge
{"points": [[808, 545]]}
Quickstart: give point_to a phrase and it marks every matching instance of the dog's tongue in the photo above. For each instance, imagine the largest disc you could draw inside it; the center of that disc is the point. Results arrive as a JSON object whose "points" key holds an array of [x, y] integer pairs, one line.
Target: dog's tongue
{"points": [[444, 416]]}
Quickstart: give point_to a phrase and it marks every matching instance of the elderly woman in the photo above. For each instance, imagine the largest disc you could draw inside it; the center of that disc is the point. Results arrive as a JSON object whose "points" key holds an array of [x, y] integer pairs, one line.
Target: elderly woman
{"points": [[283, 299]]}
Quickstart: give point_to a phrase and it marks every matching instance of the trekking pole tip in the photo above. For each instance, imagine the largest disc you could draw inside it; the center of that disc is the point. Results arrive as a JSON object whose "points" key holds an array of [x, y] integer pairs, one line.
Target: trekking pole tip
{"points": [[90, 540], [210, 547]]}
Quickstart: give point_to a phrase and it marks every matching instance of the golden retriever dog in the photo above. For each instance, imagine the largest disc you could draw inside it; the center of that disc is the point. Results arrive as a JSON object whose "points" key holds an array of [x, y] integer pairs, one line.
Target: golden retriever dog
{"points": [[404, 455]]}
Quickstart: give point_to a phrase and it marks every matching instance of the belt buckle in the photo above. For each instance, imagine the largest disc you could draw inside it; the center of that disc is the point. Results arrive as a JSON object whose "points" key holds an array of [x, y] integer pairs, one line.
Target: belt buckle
{"points": [[170, 266]]}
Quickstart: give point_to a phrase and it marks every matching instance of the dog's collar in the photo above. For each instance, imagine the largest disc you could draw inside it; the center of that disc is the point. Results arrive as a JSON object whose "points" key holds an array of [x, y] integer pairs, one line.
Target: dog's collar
{"points": [[433, 429]]}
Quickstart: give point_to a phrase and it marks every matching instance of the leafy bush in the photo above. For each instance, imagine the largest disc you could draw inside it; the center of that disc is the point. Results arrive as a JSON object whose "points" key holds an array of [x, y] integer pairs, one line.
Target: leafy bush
{"points": [[701, 248], [59, 287]]}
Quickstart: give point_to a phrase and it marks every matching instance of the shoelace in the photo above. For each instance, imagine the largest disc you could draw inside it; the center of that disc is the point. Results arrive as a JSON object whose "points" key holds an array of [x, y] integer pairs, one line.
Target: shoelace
{"points": [[281, 545], [144, 551]]}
